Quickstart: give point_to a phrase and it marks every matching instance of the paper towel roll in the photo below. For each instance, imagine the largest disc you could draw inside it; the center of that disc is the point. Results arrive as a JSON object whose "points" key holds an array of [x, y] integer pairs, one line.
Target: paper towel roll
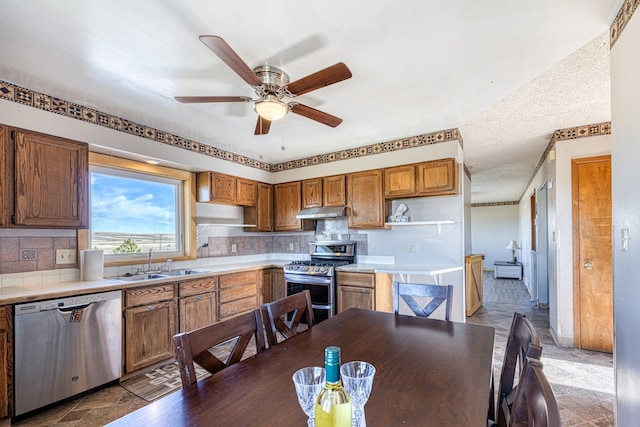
{"points": [[92, 264]]}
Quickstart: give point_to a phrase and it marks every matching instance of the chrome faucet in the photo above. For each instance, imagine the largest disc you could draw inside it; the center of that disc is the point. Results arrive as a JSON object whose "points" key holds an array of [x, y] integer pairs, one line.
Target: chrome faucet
{"points": [[149, 268]]}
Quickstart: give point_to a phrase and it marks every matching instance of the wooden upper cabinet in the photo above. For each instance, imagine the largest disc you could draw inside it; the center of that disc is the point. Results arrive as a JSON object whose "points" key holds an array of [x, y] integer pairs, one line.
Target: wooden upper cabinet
{"points": [[6, 175], [333, 191], [287, 204], [247, 192], [438, 177], [215, 187], [50, 180], [312, 193], [400, 181], [325, 191], [365, 200], [262, 214]]}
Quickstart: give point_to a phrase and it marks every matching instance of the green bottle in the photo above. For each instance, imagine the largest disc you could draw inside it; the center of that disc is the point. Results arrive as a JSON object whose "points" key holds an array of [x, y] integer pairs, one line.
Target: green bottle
{"points": [[333, 407]]}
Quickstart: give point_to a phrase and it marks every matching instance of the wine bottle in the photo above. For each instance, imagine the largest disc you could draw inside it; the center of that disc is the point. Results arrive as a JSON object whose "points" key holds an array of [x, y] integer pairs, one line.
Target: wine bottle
{"points": [[333, 407]]}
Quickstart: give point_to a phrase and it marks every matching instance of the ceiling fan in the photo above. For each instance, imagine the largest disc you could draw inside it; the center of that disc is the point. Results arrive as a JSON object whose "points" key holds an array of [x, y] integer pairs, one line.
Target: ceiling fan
{"points": [[271, 85]]}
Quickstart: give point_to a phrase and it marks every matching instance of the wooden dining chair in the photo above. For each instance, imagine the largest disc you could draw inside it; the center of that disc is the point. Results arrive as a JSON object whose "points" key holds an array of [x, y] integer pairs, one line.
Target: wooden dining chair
{"points": [[283, 316], [522, 342], [439, 294], [196, 346], [535, 404]]}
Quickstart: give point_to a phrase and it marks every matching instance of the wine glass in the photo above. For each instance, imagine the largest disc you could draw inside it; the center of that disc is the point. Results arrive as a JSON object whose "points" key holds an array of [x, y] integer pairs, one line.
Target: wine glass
{"points": [[357, 379], [309, 383]]}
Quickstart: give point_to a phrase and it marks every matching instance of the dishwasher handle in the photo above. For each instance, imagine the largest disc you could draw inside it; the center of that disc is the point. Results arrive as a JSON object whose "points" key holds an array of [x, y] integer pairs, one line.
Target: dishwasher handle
{"points": [[75, 307]]}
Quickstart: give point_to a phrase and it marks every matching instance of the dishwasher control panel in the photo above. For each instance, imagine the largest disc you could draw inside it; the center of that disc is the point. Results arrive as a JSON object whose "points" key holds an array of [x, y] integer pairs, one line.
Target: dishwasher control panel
{"points": [[81, 300]]}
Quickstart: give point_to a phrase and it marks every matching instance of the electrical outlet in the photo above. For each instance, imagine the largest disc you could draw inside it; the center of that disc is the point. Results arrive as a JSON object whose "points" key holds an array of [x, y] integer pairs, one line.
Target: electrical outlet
{"points": [[412, 248], [290, 246], [65, 256], [234, 247]]}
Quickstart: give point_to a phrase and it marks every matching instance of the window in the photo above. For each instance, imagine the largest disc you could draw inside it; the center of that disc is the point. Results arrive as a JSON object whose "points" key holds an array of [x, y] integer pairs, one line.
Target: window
{"points": [[136, 207]]}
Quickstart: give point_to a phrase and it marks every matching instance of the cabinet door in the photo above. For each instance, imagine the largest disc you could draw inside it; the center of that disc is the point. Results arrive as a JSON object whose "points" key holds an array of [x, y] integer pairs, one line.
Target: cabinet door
{"points": [[365, 200], [6, 362], [51, 187], [333, 191], [266, 286], [262, 213], [287, 205], [197, 311], [438, 178], [246, 192], [353, 297], [277, 286], [312, 193], [400, 181], [6, 175], [149, 332], [223, 188]]}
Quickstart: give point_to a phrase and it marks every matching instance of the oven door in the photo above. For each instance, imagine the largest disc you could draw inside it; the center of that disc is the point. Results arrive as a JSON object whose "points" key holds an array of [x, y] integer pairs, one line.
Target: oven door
{"points": [[321, 288]]}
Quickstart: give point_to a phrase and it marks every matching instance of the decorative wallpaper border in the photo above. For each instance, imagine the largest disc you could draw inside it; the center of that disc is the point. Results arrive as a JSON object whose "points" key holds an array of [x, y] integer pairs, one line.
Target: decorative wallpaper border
{"points": [[578, 132], [491, 204], [622, 19], [65, 108]]}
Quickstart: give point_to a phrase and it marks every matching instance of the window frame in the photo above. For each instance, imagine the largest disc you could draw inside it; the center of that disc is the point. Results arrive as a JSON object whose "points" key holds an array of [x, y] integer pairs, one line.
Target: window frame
{"points": [[187, 216]]}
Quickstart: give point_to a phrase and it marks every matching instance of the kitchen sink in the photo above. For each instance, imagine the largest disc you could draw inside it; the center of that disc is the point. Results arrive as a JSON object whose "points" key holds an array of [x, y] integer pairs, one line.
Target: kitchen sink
{"points": [[185, 272], [140, 277]]}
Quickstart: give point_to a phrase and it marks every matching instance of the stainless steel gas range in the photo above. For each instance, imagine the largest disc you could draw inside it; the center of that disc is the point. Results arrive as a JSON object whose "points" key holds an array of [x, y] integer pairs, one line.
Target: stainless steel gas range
{"points": [[318, 274]]}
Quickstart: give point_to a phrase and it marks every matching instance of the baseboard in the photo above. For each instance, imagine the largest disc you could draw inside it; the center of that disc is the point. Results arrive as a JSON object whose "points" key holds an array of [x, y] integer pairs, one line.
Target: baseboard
{"points": [[560, 342]]}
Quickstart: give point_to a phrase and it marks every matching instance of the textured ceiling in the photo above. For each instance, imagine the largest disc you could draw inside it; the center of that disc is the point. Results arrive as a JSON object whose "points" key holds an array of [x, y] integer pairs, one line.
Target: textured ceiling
{"points": [[506, 74]]}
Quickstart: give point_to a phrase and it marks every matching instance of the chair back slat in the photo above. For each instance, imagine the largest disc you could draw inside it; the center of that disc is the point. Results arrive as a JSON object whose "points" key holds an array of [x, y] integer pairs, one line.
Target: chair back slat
{"points": [[535, 404], [439, 294], [523, 341], [284, 316], [196, 345]]}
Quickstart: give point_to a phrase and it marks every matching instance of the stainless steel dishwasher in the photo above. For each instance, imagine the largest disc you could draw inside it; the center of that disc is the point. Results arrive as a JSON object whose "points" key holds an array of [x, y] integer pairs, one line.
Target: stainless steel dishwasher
{"points": [[66, 346]]}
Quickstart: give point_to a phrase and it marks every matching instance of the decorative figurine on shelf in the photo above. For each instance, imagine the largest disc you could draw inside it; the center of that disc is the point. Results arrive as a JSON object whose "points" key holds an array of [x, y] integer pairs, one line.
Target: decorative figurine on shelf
{"points": [[399, 216]]}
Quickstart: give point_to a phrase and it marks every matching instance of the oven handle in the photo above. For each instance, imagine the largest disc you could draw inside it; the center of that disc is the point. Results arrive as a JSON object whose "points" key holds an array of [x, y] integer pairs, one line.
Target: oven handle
{"points": [[302, 279]]}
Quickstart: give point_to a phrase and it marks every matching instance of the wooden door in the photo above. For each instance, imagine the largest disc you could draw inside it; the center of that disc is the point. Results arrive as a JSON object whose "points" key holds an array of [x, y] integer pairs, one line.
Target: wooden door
{"points": [[352, 297], [473, 283], [246, 192], [365, 199], [51, 186], [438, 177], [333, 189], [400, 181], [287, 202], [149, 332], [592, 253], [197, 311], [312, 193]]}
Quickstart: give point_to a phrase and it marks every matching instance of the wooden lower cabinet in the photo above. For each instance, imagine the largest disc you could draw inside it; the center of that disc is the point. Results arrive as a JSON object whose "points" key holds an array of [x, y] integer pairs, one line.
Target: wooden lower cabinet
{"points": [[198, 303], [473, 283], [272, 285], [370, 291], [6, 362], [238, 293], [354, 297], [150, 324]]}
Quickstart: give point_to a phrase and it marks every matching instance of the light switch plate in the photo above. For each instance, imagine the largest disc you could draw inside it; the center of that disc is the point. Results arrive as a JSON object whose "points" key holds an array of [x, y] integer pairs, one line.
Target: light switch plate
{"points": [[65, 256]]}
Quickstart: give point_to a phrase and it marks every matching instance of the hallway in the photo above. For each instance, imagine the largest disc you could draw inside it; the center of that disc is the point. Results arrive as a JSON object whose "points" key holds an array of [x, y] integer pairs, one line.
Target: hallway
{"points": [[582, 380]]}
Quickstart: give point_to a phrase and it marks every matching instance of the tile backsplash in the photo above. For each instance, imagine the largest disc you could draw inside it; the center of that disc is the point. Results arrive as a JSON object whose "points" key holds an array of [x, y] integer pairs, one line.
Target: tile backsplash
{"points": [[20, 254]]}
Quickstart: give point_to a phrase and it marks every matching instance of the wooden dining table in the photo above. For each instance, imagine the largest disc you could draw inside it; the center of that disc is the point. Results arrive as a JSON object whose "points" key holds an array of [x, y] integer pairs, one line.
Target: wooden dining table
{"points": [[428, 373]]}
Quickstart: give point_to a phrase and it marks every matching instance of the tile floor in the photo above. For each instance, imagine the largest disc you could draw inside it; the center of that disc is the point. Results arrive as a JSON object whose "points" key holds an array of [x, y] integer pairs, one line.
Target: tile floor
{"points": [[582, 380]]}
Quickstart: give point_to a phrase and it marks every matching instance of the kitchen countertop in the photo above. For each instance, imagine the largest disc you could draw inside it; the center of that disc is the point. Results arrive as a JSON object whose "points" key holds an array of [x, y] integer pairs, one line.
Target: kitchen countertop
{"points": [[425, 269], [43, 291]]}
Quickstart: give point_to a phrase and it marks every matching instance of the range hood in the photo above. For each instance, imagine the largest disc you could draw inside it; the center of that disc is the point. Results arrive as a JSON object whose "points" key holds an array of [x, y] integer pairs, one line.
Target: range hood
{"points": [[321, 213]]}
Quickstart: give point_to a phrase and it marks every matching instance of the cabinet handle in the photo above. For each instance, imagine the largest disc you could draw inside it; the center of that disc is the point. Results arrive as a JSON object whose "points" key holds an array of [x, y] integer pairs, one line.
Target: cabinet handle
{"points": [[588, 265], [150, 307]]}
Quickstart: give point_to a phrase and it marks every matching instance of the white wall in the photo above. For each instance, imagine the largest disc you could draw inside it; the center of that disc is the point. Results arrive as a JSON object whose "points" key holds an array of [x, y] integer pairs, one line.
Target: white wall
{"points": [[492, 228], [625, 122]]}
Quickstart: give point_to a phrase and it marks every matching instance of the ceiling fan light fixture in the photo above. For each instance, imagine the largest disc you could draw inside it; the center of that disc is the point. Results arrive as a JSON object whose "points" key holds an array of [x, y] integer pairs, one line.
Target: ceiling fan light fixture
{"points": [[271, 108]]}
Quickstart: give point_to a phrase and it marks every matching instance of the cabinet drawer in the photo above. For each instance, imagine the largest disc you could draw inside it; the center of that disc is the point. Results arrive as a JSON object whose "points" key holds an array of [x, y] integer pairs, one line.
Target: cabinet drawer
{"points": [[141, 296], [197, 286], [237, 307], [237, 279], [237, 292], [366, 280]]}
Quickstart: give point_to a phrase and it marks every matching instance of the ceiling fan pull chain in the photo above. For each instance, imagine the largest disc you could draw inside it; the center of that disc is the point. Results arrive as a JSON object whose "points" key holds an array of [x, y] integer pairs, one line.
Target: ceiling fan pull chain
{"points": [[282, 128]]}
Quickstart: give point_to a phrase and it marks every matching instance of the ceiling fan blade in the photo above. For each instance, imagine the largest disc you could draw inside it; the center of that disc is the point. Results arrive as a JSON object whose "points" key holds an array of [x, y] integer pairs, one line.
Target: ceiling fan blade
{"points": [[328, 76], [231, 58], [317, 115], [262, 126], [203, 99]]}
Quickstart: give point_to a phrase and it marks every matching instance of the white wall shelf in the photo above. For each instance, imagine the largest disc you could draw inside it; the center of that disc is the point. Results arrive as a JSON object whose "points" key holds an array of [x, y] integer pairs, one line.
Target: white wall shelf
{"points": [[439, 223]]}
